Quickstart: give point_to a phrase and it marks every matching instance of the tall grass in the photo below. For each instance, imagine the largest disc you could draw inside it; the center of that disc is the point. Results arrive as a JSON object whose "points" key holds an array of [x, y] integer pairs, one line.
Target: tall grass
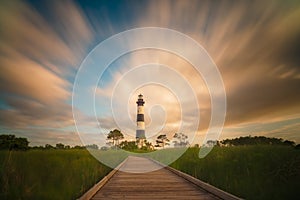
{"points": [[250, 172], [48, 174]]}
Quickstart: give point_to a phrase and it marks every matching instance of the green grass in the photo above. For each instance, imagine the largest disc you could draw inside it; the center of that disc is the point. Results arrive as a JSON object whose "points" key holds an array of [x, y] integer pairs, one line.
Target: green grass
{"points": [[48, 174], [166, 156], [250, 172]]}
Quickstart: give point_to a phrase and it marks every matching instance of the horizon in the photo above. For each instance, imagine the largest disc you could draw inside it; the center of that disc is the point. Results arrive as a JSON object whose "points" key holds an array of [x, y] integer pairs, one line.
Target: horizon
{"points": [[254, 45]]}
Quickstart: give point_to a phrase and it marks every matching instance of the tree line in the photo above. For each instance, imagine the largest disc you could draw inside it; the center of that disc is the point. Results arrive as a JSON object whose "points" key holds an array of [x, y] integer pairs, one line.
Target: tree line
{"points": [[252, 140], [257, 140], [11, 142], [62, 146], [115, 139], [181, 140], [115, 136]]}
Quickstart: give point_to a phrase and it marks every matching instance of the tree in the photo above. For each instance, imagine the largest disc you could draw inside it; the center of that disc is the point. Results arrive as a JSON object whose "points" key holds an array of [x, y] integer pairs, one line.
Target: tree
{"points": [[211, 143], [12, 142], [92, 146], [162, 141], [49, 146], [115, 136], [289, 143], [60, 146], [181, 140], [148, 145], [256, 140], [78, 147], [38, 147], [128, 145]]}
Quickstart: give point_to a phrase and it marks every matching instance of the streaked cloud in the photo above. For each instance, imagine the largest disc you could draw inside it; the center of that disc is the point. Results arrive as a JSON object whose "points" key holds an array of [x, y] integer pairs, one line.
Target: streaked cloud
{"points": [[36, 59], [254, 44]]}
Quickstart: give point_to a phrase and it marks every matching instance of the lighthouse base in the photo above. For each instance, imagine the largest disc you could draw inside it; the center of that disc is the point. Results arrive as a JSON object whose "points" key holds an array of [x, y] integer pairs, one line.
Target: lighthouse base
{"points": [[140, 138], [140, 134]]}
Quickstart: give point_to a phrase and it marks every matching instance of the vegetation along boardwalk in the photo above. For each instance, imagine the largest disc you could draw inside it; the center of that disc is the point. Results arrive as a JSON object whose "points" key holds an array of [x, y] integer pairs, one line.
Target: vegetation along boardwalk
{"points": [[159, 184]]}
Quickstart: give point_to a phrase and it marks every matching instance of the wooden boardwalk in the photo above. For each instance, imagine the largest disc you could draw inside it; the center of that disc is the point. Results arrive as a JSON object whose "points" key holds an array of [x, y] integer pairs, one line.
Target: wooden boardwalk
{"points": [[159, 184]]}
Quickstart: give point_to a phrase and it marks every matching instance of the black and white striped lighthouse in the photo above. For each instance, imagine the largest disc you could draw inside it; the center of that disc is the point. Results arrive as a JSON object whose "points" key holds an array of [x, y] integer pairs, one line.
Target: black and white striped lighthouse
{"points": [[140, 131]]}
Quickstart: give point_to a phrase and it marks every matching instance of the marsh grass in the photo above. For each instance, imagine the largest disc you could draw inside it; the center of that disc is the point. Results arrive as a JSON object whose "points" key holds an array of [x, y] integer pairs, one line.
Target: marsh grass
{"points": [[250, 172], [48, 174]]}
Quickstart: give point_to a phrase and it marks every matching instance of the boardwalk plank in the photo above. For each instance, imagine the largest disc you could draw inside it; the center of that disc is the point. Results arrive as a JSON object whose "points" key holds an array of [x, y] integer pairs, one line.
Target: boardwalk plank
{"points": [[160, 184]]}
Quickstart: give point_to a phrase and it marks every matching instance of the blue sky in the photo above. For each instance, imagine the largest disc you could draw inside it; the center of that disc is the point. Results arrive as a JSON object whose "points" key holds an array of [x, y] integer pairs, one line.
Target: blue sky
{"points": [[254, 44]]}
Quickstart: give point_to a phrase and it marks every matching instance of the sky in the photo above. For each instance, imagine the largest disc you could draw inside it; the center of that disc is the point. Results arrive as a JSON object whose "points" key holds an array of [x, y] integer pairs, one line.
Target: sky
{"points": [[255, 46]]}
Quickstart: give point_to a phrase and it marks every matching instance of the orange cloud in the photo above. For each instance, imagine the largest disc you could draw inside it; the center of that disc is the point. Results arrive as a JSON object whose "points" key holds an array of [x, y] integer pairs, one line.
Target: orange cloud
{"points": [[255, 45], [35, 58]]}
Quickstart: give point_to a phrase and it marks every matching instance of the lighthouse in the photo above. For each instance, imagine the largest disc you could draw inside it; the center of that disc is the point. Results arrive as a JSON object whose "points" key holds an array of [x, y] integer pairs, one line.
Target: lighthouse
{"points": [[140, 123]]}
